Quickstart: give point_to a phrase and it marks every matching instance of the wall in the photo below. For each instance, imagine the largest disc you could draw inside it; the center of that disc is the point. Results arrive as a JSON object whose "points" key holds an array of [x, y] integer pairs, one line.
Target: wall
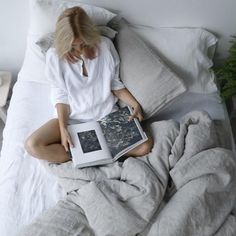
{"points": [[14, 15], [218, 16]]}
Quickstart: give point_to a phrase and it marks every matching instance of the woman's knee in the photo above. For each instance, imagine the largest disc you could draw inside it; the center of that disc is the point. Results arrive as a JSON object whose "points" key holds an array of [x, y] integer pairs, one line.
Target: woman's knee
{"points": [[146, 147], [32, 146]]}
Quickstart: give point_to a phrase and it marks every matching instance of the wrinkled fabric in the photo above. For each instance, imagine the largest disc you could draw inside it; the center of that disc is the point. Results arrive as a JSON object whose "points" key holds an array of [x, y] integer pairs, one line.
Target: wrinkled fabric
{"points": [[185, 186]]}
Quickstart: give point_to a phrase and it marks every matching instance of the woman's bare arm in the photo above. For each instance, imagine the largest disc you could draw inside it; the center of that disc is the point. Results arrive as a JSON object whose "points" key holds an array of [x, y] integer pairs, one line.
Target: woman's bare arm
{"points": [[63, 111], [125, 96]]}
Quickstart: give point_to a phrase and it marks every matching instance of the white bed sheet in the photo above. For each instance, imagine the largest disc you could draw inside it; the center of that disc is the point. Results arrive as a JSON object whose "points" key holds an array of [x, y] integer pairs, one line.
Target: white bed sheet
{"points": [[189, 101], [26, 189], [207, 102]]}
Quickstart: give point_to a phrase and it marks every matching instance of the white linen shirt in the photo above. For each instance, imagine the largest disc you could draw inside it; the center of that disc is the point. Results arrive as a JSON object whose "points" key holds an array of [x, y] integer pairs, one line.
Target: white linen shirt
{"points": [[89, 97]]}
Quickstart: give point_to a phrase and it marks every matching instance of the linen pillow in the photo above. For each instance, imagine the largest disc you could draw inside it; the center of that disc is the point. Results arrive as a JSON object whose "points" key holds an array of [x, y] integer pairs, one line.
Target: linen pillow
{"points": [[44, 14], [142, 71], [188, 51]]}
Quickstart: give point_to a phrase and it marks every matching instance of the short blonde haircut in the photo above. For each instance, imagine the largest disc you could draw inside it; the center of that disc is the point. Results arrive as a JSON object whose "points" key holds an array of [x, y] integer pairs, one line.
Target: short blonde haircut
{"points": [[74, 23]]}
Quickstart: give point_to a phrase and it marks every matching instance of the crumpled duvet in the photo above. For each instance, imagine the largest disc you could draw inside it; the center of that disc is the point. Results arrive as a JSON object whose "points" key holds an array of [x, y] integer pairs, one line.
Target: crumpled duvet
{"points": [[185, 186]]}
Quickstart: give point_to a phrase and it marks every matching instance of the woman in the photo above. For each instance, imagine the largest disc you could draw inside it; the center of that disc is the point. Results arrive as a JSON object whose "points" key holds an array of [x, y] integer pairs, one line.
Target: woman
{"points": [[82, 67]]}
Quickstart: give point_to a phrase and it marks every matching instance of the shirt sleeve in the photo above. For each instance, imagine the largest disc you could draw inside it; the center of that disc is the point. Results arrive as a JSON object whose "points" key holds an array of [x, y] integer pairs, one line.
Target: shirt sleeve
{"points": [[116, 83], [54, 75]]}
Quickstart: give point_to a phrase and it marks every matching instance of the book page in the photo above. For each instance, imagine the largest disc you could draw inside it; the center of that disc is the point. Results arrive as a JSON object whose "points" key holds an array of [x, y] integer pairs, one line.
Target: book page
{"points": [[121, 134], [89, 143]]}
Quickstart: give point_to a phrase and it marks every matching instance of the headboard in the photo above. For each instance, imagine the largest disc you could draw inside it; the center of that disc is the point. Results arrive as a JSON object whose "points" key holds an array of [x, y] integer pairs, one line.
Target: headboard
{"points": [[217, 16]]}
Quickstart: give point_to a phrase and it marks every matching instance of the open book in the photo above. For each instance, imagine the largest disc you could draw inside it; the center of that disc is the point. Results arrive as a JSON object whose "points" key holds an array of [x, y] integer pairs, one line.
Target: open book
{"points": [[104, 141]]}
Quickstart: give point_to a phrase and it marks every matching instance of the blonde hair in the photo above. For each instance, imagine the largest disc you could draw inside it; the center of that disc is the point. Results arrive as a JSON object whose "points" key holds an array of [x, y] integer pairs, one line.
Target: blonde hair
{"points": [[75, 23]]}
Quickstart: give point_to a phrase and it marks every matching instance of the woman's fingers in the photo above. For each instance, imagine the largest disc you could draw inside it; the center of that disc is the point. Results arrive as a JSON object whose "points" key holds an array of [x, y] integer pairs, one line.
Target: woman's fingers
{"points": [[138, 115], [70, 57], [65, 145], [131, 117], [66, 140], [70, 142]]}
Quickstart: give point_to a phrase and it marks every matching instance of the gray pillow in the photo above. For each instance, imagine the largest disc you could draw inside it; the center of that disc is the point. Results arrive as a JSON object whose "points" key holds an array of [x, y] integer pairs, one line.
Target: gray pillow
{"points": [[46, 41], [144, 74]]}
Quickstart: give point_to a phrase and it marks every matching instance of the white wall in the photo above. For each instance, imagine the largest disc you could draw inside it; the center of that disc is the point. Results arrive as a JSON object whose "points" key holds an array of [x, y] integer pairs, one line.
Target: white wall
{"points": [[14, 16], [218, 16]]}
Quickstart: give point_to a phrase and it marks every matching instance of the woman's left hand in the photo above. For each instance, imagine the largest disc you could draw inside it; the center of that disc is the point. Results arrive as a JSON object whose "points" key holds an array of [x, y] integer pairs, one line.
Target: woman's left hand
{"points": [[137, 113]]}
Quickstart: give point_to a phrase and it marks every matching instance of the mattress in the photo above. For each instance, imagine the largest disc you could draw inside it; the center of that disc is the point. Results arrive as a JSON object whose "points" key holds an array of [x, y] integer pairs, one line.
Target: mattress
{"points": [[24, 183]]}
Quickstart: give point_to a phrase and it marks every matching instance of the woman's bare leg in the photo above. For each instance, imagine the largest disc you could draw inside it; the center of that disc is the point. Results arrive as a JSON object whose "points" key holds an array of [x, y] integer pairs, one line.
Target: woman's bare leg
{"points": [[45, 143], [141, 149]]}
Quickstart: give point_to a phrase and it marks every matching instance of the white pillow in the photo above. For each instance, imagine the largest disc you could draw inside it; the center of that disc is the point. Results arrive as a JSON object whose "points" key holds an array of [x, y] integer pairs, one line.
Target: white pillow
{"points": [[33, 68], [187, 52], [44, 14]]}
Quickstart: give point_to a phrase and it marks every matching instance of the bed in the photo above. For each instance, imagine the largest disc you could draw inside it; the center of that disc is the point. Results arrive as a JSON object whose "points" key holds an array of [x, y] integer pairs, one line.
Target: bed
{"points": [[45, 199]]}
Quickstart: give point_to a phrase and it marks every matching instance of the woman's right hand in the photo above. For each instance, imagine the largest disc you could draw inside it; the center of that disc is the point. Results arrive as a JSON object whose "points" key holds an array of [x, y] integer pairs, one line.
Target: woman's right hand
{"points": [[66, 141], [70, 57]]}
